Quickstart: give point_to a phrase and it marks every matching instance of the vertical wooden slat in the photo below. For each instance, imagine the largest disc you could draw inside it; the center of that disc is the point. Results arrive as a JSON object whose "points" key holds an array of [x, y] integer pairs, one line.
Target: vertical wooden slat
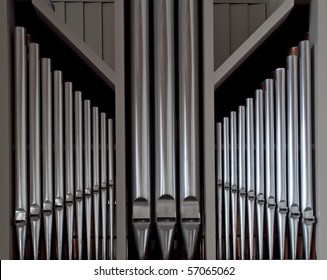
{"points": [[108, 24], [74, 17], [257, 15], [221, 33], [239, 25], [93, 26], [60, 10]]}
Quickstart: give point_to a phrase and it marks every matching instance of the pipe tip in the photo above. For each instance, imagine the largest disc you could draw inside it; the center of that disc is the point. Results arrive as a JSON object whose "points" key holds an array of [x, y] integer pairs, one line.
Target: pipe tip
{"points": [[293, 51]]}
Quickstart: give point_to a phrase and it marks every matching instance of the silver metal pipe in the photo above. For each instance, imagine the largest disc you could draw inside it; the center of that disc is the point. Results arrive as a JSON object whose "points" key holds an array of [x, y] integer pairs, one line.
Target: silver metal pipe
{"points": [[35, 149], [241, 175], [140, 123], [165, 123], [270, 162], [87, 174], [69, 165], [233, 177], [59, 159], [104, 199], [111, 163], [47, 153], [96, 178], [292, 149], [20, 139], [250, 185], [282, 209], [308, 218], [226, 180], [189, 123], [79, 192], [259, 168], [219, 200]]}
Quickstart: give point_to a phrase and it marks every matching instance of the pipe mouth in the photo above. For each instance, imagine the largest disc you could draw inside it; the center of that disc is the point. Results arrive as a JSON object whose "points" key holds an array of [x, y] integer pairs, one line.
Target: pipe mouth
{"points": [[293, 51]]}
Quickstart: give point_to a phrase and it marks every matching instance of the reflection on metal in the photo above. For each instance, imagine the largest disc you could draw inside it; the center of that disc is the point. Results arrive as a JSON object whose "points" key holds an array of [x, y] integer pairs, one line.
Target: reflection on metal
{"points": [[104, 199], [219, 200]]}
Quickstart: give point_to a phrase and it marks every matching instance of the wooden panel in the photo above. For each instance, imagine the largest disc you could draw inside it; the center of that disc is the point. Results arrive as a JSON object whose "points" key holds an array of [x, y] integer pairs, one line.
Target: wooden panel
{"points": [[93, 26], [239, 25], [257, 15], [108, 25], [74, 18], [221, 34], [60, 10]]}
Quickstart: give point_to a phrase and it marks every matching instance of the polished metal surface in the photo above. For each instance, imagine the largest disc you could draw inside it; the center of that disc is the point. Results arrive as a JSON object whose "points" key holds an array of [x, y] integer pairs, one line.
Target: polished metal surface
{"points": [[165, 123], [219, 199], [104, 186]]}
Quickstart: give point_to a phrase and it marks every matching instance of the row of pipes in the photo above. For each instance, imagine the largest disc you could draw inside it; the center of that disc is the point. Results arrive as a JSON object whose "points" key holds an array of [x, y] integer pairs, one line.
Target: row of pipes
{"points": [[264, 167], [64, 162]]}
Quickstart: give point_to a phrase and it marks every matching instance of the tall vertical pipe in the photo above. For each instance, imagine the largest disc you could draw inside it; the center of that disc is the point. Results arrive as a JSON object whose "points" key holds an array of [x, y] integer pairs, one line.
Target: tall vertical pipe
{"points": [[270, 162], [69, 182], [104, 201], [280, 84], [189, 123], [87, 174], [20, 139], [59, 159], [250, 185], [35, 149], [241, 175], [111, 180], [79, 188], [96, 178], [165, 123], [259, 168], [47, 152], [308, 218], [226, 181], [292, 148], [219, 200]]}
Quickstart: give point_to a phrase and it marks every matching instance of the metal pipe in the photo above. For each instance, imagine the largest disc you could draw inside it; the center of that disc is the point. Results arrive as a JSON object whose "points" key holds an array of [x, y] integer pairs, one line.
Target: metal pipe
{"points": [[259, 170], [69, 165], [96, 178], [104, 200], [226, 186], [140, 123], [59, 159], [79, 194], [270, 162], [219, 199], [189, 123], [111, 163], [165, 123], [20, 139], [87, 174], [35, 150], [47, 152], [308, 218], [292, 148], [250, 185], [281, 157], [241, 175], [233, 177]]}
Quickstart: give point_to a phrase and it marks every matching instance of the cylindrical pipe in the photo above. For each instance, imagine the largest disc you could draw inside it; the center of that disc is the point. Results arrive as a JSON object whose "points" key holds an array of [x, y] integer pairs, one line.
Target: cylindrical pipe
{"points": [[104, 200], [165, 123], [241, 174], [20, 139], [47, 152], [35, 149], [219, 200], [259, 168], [292, 148], [280, 84], [87, 174], [140, 117], [188, 52], [69, 182], [59, 159], [79, 192], [96, 178], [306, 146]]}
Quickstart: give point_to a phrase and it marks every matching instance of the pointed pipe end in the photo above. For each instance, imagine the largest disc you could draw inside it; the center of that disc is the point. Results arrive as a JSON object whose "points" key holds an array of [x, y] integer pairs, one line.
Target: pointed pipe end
{"points": [[70, 221], [21, 239], [307, 237], [166, 236], [35, 231], [59, 228], [79, 210], [190, 232], [281, 233], [271, 222], [293, 228], [141, 234], [48, 234]]}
